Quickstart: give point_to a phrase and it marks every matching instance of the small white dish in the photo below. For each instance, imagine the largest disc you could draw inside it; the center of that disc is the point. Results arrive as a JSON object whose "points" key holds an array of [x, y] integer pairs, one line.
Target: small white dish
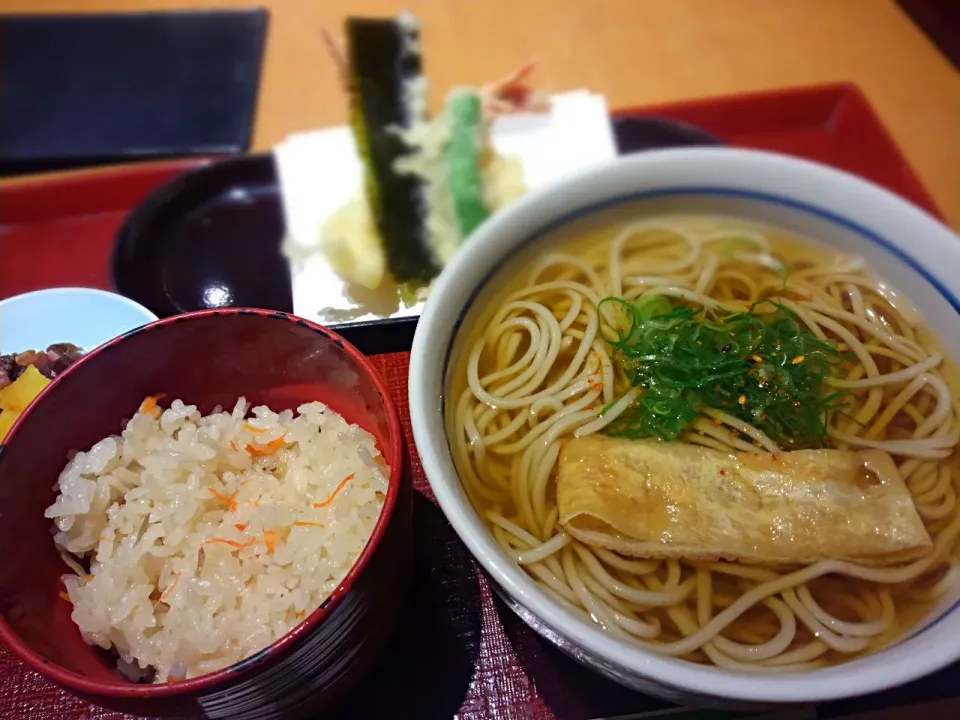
{"points": [[914, 252], [82, 316]]}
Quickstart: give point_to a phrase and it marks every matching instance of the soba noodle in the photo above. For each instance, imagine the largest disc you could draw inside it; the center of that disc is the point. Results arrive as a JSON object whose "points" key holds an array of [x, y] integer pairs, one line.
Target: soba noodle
{"points": [[537, 369]]}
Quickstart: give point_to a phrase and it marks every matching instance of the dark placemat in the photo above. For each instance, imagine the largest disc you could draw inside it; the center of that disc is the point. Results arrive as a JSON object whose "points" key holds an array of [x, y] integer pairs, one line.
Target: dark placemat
{"points": [[101, 88]]}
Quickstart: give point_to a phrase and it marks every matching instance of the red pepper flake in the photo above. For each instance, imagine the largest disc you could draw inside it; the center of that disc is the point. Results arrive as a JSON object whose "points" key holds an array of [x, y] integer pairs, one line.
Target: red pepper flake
{"points": [[270, 540], [65, 597], [240, 526], [300, 615], [722, 471]]}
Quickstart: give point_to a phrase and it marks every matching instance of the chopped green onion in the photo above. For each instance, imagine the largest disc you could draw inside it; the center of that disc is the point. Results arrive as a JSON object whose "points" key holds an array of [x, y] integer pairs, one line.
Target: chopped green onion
{"points": [[744, 364]]}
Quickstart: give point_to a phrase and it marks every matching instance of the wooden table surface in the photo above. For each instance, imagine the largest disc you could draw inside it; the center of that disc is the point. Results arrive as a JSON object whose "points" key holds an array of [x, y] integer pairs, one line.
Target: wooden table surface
{"points": [[637, 52]]}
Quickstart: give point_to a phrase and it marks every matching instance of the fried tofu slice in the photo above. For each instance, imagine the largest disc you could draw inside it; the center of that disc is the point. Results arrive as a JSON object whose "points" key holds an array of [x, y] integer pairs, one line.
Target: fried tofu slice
{"points": [[655, 499]]}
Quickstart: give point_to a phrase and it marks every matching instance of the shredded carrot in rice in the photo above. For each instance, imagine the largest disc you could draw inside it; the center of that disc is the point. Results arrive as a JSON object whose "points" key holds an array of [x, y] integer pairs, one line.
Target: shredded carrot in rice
{"points": [[269, 449], [231, 501], [339, 487], [270, 540], [272, 485], [149, 405], [166, 593], [232, 543]]}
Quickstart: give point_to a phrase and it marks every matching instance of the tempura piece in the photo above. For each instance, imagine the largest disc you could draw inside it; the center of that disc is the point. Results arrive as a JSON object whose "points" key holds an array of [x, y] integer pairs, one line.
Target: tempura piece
{"points": [[429, 182], [649, 498], [386, 98]]}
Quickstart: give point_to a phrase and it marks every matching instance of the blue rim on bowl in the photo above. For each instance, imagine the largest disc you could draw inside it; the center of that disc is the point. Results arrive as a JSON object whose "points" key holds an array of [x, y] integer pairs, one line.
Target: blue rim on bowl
{"points": [[799, 196]]}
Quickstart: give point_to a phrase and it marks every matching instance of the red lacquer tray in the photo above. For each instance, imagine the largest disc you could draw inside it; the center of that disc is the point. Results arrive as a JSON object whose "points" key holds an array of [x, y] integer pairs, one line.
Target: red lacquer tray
{"points": [[69, 221], [459, 652]]}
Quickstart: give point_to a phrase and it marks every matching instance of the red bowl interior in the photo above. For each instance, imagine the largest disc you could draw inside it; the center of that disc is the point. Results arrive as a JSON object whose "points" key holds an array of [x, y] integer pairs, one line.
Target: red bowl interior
{"points": [[206, 358]]}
